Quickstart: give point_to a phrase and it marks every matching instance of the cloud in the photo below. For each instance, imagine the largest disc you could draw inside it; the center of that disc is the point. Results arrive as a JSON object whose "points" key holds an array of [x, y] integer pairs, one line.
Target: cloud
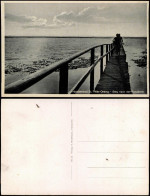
{"points": [[87, 15], [26, 19], [64, 19], [19, 19], [49, 26], [34, 22], [105, 14], [90, 15]]}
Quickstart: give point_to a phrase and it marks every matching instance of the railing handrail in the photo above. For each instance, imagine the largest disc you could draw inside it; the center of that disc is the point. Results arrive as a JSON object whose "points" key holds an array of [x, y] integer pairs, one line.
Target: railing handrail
{"points": [[83, 78], [22, 84]]}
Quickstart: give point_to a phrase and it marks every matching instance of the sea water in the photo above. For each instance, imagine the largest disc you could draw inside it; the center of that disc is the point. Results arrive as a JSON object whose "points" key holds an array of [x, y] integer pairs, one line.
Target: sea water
{"points": [[26, 55]]}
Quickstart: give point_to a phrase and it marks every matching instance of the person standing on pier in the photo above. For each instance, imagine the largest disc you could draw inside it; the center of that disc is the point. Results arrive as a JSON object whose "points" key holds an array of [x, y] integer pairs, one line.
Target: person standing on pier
{"points": [[117, 42]]}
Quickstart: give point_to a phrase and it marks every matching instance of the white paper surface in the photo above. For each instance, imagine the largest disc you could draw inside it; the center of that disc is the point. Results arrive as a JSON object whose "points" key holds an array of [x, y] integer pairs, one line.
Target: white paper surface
{"points": [[82, 146]]}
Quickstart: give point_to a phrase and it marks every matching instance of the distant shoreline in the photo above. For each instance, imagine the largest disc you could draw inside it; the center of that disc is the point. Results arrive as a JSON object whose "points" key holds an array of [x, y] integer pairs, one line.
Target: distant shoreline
{"points": [[65, 37]]}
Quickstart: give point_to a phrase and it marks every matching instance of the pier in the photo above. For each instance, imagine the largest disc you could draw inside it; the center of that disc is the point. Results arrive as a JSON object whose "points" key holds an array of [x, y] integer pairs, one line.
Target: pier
{"points": [[114, 76]]}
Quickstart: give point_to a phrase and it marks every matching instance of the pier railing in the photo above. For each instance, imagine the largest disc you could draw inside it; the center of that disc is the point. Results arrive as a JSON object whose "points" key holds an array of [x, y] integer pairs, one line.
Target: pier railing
{"points": [[21, 85]]}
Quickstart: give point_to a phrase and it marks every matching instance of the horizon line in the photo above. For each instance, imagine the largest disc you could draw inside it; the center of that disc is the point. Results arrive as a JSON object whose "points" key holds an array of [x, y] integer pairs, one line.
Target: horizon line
{"points": [[36, 36]]}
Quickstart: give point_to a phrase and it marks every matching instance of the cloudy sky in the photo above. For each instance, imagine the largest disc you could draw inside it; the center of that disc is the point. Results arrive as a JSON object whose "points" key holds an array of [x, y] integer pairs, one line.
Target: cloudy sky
{"points": [[76, 19]]}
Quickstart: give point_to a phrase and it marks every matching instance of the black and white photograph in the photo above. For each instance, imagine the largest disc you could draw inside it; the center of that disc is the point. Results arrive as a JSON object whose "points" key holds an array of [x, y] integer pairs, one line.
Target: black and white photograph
{"points": [[75, 97], [69, 48]]}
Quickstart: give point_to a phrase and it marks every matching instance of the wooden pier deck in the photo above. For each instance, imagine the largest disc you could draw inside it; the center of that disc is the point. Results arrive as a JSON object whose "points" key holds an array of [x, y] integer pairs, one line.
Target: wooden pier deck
{"points": [[115, 78]]}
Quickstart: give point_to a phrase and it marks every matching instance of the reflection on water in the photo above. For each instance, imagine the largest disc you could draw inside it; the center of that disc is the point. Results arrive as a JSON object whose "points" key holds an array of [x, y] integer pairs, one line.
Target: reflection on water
{"points": [[50, 84], [138, 75], [27, 55]]}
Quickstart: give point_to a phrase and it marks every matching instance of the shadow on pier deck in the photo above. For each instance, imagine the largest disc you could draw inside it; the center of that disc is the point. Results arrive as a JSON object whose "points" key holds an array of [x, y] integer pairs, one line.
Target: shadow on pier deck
{"points": [[115, 78]]}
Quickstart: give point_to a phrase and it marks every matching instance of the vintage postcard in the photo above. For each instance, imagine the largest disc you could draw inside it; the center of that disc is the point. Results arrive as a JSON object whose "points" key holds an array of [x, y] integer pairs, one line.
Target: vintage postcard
{"points": [[75, 49], [91, 147]]}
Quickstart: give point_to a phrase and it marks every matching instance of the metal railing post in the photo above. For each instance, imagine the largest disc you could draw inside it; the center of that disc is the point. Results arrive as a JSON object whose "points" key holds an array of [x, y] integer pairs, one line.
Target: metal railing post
{"points": [[109, 50], [101, 62], [63, 79], [92, 73], [106, 52]]}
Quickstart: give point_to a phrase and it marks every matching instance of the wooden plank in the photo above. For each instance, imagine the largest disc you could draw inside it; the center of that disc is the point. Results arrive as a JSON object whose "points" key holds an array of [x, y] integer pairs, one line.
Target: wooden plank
{"points": [[115, 78]]}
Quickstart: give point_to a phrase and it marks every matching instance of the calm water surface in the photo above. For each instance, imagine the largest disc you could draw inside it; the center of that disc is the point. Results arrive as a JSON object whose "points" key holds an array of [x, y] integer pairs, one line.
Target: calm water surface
{"points": [[25, 53]]}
